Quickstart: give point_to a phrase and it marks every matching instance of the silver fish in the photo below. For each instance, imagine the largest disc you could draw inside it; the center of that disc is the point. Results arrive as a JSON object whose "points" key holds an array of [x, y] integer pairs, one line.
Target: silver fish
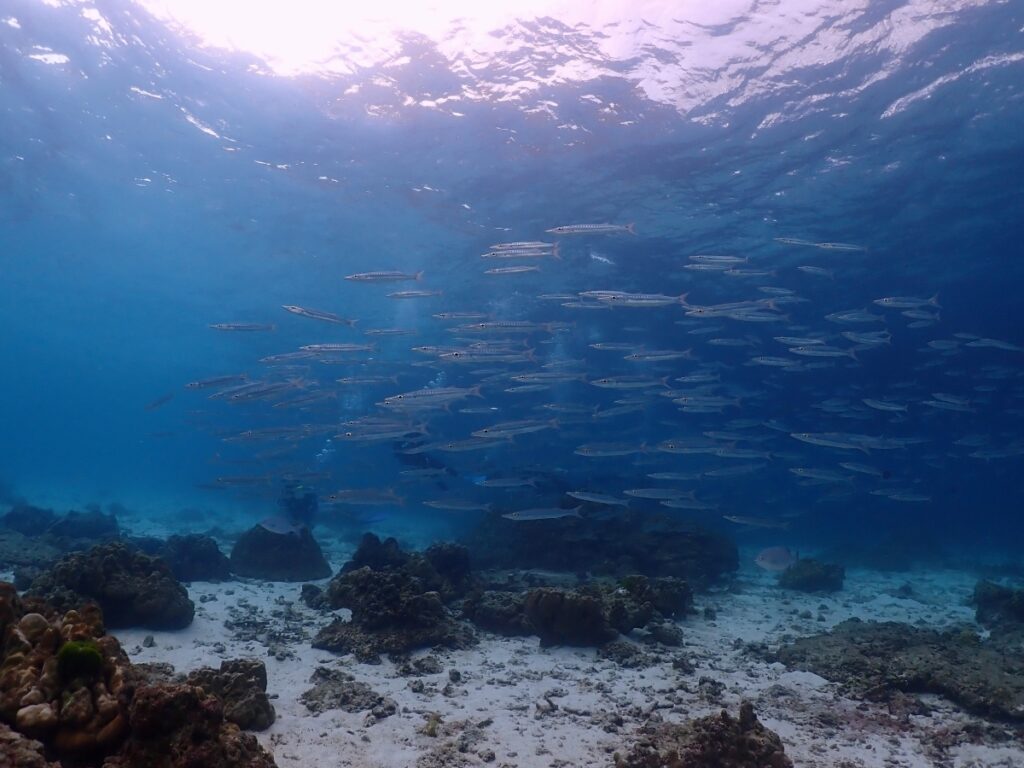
{"points": [[551, 513]]}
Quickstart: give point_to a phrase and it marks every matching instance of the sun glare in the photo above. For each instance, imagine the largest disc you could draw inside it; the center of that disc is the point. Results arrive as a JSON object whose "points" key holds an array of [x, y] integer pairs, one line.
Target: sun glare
{"points": [[295, 36]]}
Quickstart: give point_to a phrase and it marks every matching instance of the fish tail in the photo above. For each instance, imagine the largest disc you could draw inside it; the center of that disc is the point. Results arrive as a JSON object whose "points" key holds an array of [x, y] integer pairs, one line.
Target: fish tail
{"points": [[934, 300], [682, 298], [631, 228], [555, 252], [418, 276]]}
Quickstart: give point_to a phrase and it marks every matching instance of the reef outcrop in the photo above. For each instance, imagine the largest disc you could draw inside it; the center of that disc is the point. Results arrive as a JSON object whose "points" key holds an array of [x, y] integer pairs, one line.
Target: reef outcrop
{"points": [[336, 689], [68, 691], [881, 660], [998, 607], [810, 575], [195, 557], [651, 545], [716, 741], [241, 684], [176, 725], [397, 601], [132, 589], [293, 556], [586, 616]]}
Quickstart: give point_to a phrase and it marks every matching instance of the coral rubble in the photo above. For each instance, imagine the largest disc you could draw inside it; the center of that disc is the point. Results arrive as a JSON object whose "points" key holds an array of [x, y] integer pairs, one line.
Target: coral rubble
{"points": [[716, 741]]}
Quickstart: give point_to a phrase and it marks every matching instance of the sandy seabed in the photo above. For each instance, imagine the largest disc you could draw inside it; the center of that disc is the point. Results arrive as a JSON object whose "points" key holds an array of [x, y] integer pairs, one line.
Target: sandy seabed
{"points": [[513, 703]]}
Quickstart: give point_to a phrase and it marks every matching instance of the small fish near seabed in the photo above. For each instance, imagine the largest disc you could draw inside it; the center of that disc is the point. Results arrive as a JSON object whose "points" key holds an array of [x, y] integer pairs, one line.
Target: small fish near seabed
{"points": [[776, 559]]}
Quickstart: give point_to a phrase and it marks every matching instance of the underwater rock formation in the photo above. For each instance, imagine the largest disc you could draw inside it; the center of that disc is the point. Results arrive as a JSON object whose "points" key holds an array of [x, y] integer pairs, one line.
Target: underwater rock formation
{"points": [[17, 751], [196, 557], [132, 589], [877, 660], [62, 680], [28, 520], [397, 604], [181, 726], [391, 613], [810, 575], [242, 685], [715, 741], [294, 556], [998, 607], [618, 546], [26, 554], [336, 689], [562, 617], [588, 616], [66, 683], [92, 526], [503, 613]]}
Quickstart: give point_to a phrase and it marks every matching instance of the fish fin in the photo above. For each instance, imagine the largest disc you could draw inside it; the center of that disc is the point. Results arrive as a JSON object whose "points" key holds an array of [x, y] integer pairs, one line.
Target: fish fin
{"points": [[418, 275], [631, 228], [554, 252], [682, 298], [934, 300]]}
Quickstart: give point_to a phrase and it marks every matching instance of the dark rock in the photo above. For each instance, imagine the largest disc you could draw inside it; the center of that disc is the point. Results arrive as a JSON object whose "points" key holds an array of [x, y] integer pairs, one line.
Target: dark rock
{"points": [[653, 545], [809, 575], [242, 685], [561, 617], [132, 589], [313, 597], [20, 551], [426, 665], [93, 526], [623, 611], [997, 606], [26, 574], [669, 596], [442, 568], [397, 606], [150, 672], [181, 726], [716, 741], [28, 520], [376, 554], [626, 654], [196, 558], [875, 660], [452, 564], [261, 554], [385, 599], [147, 545], [367, 645], [666, 633], [17, 751], [335, 689], [503, 613]]}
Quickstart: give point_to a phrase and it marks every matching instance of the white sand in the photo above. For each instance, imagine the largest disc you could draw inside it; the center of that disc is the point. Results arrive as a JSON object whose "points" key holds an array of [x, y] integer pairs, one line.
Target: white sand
{"points": [[598, 703]]}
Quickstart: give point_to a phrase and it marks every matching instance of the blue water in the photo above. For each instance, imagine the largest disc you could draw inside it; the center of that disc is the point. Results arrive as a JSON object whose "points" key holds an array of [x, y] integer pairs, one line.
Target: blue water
{"points": [[152, 187]]}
